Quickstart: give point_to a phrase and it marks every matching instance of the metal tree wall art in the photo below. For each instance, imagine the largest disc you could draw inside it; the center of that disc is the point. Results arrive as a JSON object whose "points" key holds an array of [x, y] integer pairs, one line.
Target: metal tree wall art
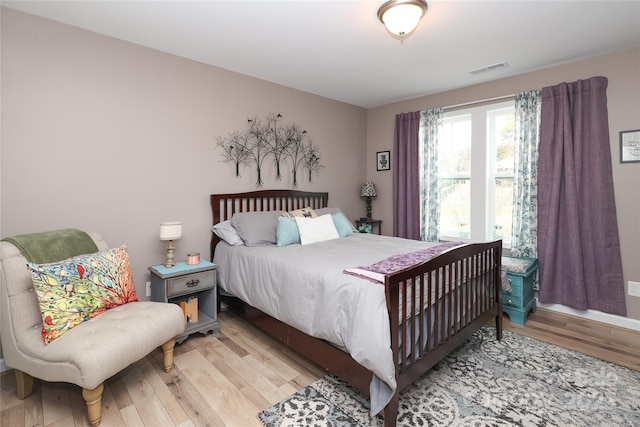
{"points": [[312, 159], [296, 148], [278, 141], [267, 137], [260, 147], [236, 149]]}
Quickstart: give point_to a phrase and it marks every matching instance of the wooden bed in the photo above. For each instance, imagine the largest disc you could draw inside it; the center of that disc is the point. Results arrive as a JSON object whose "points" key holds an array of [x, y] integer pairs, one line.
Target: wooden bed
{"points": [[475, 268]]}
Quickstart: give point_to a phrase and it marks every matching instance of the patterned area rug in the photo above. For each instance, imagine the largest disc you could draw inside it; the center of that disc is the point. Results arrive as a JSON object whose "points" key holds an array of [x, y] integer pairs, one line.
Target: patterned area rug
{"points": [[517, 381]]}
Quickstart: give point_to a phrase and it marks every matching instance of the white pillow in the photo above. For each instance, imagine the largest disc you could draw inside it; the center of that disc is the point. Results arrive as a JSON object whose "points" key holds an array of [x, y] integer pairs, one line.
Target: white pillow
{"points": [[228, 233], [317, 229]]}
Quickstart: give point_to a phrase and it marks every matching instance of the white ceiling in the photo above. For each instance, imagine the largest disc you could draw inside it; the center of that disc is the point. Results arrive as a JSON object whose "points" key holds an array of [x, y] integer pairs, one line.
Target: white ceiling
{"points": [[339, 49]]}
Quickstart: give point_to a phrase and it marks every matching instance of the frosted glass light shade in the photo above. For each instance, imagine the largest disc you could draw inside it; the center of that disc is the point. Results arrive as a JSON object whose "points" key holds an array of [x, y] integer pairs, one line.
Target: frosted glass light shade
{"points": [[402, 16], [170, 230]]}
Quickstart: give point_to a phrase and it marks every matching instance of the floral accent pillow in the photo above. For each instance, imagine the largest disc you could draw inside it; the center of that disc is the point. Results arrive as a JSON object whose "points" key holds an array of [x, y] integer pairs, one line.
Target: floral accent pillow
{"points": [[76, 289]]}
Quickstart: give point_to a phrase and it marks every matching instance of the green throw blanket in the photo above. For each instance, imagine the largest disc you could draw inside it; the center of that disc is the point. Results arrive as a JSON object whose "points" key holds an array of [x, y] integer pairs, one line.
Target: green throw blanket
{"points": [[53, 246]]}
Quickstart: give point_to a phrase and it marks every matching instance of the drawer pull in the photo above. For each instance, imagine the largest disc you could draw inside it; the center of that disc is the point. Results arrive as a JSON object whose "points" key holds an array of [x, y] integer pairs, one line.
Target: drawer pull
{"points": [[509, 302], [193, 283]]}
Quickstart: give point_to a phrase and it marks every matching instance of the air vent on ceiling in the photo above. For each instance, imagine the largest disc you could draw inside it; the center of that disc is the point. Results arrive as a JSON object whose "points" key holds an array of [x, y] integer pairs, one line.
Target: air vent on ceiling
{"points": [[489, 67]]}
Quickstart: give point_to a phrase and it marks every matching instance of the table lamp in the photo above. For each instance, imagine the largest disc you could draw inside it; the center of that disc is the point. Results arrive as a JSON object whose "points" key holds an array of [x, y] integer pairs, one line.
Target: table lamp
{"points": [[368, 190], [170, 231]]}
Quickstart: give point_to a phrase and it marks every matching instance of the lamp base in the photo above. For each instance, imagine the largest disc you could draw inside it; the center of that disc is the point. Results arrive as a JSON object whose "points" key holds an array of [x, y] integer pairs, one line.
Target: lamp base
{"points": [[368, 200], [170, 262]]}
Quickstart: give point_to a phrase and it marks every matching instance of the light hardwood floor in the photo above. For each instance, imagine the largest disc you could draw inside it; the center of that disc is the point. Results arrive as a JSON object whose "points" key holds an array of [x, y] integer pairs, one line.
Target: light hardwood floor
{"points": [[226, 380]]}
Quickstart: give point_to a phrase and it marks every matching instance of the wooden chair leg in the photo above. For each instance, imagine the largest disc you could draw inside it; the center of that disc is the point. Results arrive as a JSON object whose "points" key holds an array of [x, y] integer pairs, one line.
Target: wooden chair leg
{"points": [[24, 383], [167, 349], [94, 404]]}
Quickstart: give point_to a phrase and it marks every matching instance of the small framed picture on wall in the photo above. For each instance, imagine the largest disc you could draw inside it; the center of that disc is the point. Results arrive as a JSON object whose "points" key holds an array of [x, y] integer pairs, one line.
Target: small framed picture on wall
{"points": [[383, 160], [630, 146]]}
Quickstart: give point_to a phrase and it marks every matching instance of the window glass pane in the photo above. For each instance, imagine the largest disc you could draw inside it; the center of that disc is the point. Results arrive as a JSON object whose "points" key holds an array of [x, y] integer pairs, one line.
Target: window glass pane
{"points": [[454, 173], [503, 208], [503, 149], [455, 202], [503, 133], [454, 152]]}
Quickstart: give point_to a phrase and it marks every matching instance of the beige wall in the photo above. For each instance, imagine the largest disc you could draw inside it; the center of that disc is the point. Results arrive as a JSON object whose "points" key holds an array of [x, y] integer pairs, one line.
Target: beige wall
{"points": [[623, 94], [106, 135], [102, 134]]}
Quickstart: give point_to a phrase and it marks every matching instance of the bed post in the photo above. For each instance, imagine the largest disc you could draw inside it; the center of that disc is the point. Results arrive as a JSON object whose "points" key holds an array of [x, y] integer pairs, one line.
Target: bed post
{"points": [[498, 290], [392, 295], [391, 410]]}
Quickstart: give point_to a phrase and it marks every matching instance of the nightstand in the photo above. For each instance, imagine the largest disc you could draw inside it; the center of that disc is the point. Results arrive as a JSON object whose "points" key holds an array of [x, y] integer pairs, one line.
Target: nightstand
{"points": [[371, 222], [521, 275], [193, 287]]}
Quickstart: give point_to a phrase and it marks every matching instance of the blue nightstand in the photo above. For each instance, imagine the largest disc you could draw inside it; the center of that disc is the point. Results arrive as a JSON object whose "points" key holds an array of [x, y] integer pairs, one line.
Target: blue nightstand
{"points": [[521, 275]]}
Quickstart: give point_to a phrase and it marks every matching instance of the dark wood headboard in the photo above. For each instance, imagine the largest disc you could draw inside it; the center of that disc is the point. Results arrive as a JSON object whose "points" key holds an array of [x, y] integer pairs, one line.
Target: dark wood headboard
{"points": [[223, 206]]}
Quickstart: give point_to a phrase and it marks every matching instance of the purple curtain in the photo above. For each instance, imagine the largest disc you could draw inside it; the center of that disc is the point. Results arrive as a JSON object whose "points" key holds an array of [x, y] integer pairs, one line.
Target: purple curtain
{"points": [[578, 242], [406, 185]]}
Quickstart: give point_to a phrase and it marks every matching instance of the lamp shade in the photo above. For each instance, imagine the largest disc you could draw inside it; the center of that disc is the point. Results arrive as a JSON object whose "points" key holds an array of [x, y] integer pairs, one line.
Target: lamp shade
{"points": [[368, 189], [402, 16], [170, 230]]}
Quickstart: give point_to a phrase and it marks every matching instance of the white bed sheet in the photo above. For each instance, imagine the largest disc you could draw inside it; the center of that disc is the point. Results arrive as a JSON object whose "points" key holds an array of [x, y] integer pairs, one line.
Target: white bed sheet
{"points": [[305, 287]]}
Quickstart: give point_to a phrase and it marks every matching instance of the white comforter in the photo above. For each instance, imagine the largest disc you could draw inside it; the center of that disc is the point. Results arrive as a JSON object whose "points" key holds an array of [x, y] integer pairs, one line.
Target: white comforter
{"points": [[305, 287]]}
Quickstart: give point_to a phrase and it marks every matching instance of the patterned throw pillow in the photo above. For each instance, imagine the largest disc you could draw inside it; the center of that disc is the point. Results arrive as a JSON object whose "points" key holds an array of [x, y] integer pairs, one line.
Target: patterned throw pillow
{"points": [[304, 212], [74, 290]]}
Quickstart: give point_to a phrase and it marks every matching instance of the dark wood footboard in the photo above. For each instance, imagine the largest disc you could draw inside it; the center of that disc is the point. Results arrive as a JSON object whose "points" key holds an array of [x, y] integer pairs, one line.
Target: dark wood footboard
{"points": [[439, 304], [435, 306]]}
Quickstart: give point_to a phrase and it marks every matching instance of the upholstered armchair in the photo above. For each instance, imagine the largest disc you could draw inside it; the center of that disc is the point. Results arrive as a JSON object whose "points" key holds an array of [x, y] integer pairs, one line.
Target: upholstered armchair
{"points": [[87, 354]]}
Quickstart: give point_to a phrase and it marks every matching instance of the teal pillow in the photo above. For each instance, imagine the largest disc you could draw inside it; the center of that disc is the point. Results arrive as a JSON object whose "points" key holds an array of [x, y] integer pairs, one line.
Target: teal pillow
{"points": [[342, 224], [287, 233]]}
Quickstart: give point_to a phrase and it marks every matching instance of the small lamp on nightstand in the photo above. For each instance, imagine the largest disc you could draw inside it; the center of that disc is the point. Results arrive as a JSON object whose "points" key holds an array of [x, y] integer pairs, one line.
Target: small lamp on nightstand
{"points": [[368, 190], [170, 231]]}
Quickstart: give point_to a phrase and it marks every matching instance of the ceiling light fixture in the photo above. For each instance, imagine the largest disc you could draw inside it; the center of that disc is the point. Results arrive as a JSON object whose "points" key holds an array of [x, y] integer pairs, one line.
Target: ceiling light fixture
{"points": [[401, 17]]}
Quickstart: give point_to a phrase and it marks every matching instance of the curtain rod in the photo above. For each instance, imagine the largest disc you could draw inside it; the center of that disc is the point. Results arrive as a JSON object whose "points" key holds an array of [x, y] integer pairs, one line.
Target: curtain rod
{"points": [[481, 101]]}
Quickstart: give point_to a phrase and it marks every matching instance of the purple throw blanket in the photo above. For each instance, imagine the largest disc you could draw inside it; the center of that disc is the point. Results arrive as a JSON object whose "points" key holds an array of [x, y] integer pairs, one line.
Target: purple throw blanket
{"points": [[376, 272]]}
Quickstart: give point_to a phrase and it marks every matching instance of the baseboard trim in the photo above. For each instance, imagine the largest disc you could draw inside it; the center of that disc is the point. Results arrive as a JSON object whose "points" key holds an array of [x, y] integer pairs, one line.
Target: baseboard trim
{"points": [[598, 316]]}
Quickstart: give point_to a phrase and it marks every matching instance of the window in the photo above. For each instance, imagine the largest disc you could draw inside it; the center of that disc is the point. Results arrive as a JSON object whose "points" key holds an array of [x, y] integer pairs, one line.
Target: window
{"points": [[476, 173]]}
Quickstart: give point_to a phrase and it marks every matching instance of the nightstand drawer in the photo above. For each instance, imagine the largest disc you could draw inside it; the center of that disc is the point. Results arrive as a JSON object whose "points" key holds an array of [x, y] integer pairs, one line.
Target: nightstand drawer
{"points": [[516, 286], [521, 286], [511, 300], [190, 283], [516, 281]]}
